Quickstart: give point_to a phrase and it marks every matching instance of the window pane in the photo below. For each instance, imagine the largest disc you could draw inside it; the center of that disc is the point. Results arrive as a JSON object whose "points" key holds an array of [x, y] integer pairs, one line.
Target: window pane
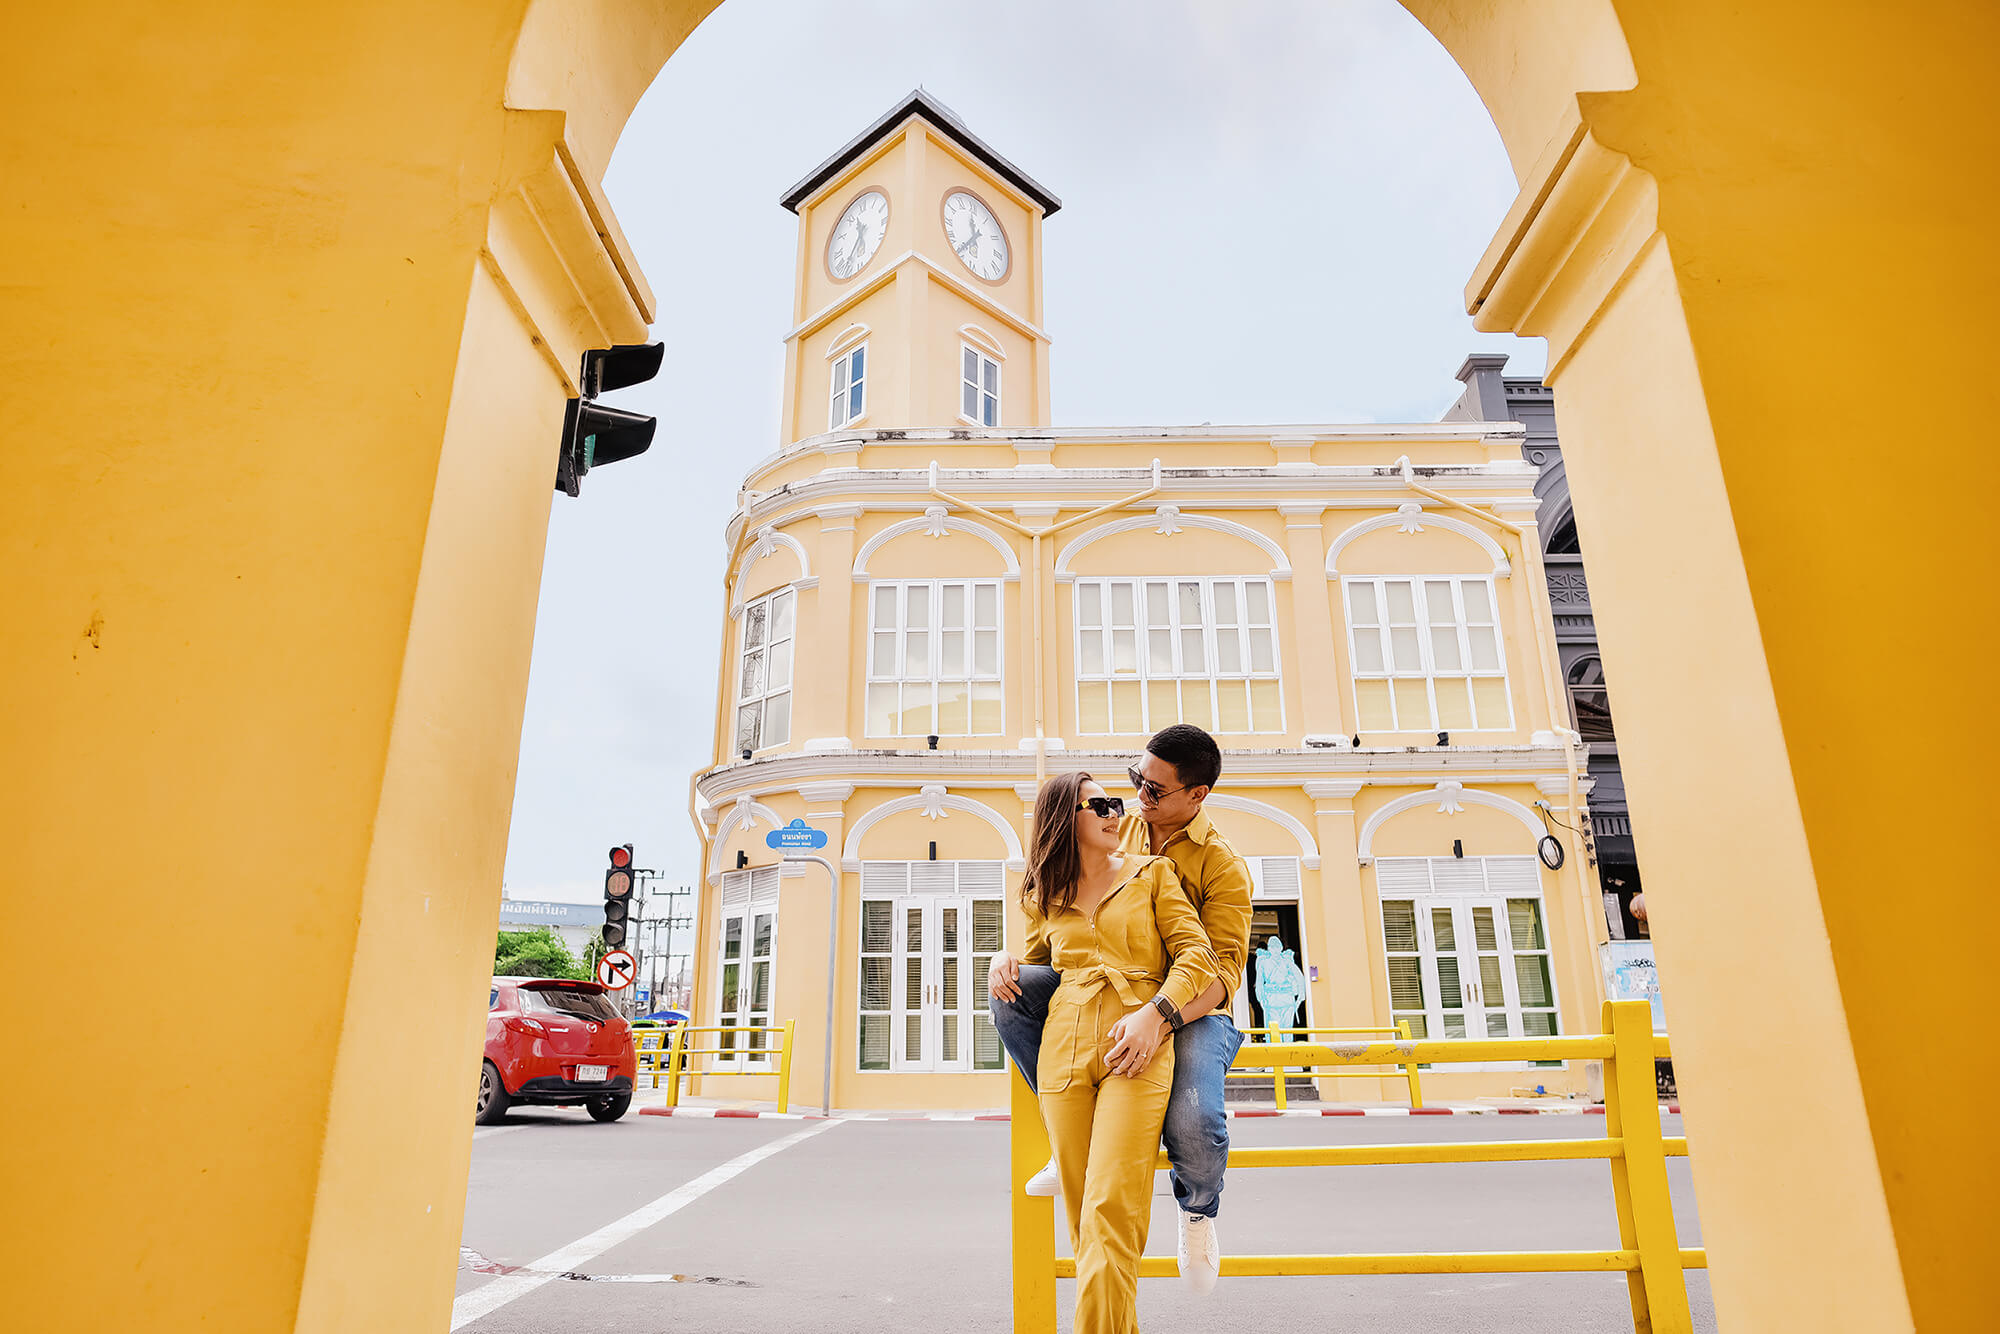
{"points": [[882, 658], [1093, 707], [1124, 651], [1371, 700], [970, 405], [1399, 926], [986, 653], [954, 605], [1193, 660], [1402, 601], [755, 618], [954, 711], [874, 1042], [1531, 974], [1444, 648], [917, 656], [1232, 706], [746, 727], [986, 708], [1121, 604], [1225, 604], [882, 711], [1190, 604], [778, 719], [1196, 707], [1524, 924], [917, 613], [992, 416], [1228, 651], [1125, 714], [1538, 1025], [1090, 653], [1089, 604], [987, 926], [951, 653], [969, 369], [1413, 705], [1368, 649], [1489, 695], [1361, 604], [839, 377], [1454, 703], [1443, 933], [913, 1038], [1403, 649], [860, 360], [1438, 603], [1259, 598], [985, 1044], [884, 602], [1263, 652], [1478, 600], [877, 921], [1406, 982], [1484, 937], [1451, 988], [1163, 698], [1266, 706], [781, 615], [986, 604], [1485, 648], [875, 984], [752, 682], [854, 401], [732, 938], [760, 985], [729, 988], [1489, 979], [1156, 605], [1419, 1025], [992, 375], [916, 720], [1160, 652], [779, 664]]}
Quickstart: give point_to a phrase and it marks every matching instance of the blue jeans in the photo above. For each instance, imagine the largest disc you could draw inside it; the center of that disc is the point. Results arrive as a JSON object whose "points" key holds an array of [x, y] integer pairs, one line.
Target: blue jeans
{"points": [[1196, 1132]]}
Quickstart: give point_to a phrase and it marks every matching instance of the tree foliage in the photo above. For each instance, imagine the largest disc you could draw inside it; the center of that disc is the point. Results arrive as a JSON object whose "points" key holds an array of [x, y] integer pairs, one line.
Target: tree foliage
{"points": [[535, 952]]}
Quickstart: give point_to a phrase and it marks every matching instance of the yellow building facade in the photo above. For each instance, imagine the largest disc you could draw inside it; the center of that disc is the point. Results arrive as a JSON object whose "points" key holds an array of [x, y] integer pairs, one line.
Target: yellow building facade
{"points": [[935, 596]]}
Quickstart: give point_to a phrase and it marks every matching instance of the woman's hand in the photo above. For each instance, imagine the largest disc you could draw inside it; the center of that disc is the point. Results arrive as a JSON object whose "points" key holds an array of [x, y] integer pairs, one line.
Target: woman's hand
{"points": [[1134, 1041], [1003, 979]]}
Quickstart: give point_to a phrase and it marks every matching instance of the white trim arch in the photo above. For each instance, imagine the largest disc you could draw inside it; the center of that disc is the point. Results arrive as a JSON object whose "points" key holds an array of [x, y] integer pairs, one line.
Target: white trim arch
{"points": [[1443, 795], [939, 802], [767, 541], [1414, 518], [982, 340], [936, 523], [1308, 845], [852, 334], [744, 812], [1169, 523]]}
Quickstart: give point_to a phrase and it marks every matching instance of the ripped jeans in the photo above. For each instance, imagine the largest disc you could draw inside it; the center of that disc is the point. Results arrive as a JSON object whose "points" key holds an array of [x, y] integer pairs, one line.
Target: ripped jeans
{"points": [[1196, 1133]]}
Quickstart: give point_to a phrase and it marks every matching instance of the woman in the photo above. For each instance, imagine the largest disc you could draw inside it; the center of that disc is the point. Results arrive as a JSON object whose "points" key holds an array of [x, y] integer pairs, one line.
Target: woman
{"points": [[1131, 952]]}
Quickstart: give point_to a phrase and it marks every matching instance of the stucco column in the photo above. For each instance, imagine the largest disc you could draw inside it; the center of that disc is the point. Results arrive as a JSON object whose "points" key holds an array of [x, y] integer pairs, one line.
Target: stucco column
{"points": [[1353, 988], [1319, 686], [830, 718]]}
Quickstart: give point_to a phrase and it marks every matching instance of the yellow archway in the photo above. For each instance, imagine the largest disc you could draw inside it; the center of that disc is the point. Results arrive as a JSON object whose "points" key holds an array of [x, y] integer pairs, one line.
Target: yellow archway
{"points": [[292, 297]]}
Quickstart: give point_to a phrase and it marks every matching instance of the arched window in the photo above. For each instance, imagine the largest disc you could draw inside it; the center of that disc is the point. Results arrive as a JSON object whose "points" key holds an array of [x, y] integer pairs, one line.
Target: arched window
{"points": [[1589, 704], [1562, 542]]}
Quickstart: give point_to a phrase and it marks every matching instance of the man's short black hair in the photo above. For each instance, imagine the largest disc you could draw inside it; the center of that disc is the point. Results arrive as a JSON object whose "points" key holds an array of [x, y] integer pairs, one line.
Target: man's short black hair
{"points": [[1192, 752]]}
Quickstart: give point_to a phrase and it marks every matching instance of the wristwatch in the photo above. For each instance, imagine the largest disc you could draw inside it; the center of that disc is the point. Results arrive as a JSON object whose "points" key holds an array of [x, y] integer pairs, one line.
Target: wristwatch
{"points": [[1169, 1012]]}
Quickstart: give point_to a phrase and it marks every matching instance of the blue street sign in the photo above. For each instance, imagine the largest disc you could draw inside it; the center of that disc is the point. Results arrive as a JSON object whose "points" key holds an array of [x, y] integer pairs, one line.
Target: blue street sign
{"points": [[797, 834]]}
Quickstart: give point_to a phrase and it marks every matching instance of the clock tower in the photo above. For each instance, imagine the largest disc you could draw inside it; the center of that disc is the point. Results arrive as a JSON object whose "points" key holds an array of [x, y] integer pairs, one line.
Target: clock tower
{"points": [[918, 296]]}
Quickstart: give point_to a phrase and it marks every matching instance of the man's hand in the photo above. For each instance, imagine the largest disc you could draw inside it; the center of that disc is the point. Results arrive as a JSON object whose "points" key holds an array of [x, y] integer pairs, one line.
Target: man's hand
{"points": [[1134, 1040], [1003, 979]]}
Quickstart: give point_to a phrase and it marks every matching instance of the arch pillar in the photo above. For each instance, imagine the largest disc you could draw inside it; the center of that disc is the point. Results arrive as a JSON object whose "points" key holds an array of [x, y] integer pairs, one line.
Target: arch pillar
{"points": [[1355, 981]]}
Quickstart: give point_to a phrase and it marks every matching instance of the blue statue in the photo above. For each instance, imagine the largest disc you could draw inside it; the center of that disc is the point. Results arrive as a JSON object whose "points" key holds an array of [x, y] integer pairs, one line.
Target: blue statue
{"points": [[1280, 987]]}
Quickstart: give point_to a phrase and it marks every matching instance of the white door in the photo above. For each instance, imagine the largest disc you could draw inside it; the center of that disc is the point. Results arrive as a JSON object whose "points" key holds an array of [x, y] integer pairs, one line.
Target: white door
{"points": [[933, 989], [1469, 967]]}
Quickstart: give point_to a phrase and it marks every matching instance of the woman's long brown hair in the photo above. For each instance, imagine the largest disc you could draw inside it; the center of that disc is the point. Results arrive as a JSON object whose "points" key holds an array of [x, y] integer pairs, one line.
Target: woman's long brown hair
{"points": [[1054, 864]]}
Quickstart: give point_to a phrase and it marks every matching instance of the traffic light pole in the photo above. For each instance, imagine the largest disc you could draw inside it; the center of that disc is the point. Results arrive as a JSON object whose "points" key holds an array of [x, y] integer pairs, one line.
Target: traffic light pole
{"points": [[832, 938]]}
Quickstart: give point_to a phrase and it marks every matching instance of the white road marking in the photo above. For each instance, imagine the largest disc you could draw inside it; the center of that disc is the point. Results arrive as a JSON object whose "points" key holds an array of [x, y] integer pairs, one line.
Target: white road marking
{"points": [[485, 1300], [488, 1132]]}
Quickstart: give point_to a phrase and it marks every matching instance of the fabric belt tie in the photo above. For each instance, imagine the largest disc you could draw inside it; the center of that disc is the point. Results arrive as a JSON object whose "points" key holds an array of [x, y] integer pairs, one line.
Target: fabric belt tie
{"points": [[1089, 981]]}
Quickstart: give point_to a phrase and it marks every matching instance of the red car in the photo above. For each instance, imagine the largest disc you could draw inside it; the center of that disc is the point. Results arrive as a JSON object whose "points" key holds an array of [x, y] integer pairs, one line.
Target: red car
{"points": [[555, 1043]]}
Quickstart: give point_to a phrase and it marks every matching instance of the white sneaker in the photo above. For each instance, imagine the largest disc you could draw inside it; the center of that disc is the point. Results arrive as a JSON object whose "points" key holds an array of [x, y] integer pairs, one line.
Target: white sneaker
{"points": [[1045, 1182], [1201, 1254]]}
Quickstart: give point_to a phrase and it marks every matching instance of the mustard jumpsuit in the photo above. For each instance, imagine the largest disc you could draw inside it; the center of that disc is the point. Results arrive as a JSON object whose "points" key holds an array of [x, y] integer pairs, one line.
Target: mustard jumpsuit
{"points": [[1144, 938]]}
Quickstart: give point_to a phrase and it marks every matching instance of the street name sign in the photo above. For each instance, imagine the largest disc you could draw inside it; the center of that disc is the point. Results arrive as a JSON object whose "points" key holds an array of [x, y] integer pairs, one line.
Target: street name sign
{"points": [[798, 836], [617, 969]]}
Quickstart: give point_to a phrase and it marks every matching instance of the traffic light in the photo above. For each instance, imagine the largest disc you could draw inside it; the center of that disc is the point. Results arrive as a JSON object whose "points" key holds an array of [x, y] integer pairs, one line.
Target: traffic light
{"points": [[618, 896], [593, 434]]}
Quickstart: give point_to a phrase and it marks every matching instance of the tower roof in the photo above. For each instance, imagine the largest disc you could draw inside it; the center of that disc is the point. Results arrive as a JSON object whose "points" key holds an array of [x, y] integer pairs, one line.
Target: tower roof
{"points": [[941, 119]]}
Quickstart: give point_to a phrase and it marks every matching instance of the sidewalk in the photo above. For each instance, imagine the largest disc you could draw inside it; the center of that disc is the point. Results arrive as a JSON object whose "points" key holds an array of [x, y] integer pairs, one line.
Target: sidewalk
{"points": [[651, 1103]]}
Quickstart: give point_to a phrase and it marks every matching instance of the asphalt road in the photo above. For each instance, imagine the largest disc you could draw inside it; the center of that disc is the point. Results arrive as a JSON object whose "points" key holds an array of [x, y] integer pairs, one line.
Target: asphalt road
{"points": [[697, 1225]]}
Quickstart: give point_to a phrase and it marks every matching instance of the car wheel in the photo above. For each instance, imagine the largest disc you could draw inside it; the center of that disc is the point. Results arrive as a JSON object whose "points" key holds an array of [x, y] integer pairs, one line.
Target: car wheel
{"points": [[610, 1107], [493, 1099]]}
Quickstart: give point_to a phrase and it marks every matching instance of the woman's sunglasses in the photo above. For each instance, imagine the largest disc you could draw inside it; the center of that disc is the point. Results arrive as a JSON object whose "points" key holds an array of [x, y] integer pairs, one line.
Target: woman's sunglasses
{"points": [[1103, 807]]}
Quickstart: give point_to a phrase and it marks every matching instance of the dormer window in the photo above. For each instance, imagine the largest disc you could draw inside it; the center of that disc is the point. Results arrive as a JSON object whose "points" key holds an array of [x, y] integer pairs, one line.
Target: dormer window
{"points": [[979, 387], [850, 390]]}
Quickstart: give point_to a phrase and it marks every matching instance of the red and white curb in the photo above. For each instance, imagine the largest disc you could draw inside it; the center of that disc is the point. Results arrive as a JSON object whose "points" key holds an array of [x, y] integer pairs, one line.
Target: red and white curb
{"points": [[1244, 1113]]}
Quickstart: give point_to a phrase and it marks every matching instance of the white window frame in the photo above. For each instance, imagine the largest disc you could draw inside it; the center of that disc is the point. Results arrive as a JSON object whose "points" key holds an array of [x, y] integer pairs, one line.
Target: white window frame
{"points": [[912, 684], [765, 693], [747, 898], [1458, 887], [848, 374], [1428, 670], [1099, 667], [983, 393], [923, 892]]}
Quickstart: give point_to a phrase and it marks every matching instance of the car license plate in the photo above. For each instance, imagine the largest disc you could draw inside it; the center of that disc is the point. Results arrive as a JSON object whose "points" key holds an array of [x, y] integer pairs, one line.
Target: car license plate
{"points": [[591, 1073]]}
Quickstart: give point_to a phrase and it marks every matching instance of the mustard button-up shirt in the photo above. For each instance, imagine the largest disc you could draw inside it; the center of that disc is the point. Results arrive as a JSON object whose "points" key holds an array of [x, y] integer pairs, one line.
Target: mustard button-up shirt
{"points": [[1142, 940], [1215, 880]]}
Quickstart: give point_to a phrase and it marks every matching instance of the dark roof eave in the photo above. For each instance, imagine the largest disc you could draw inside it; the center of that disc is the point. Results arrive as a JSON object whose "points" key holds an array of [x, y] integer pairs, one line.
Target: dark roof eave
{"points": [[940, 118]]}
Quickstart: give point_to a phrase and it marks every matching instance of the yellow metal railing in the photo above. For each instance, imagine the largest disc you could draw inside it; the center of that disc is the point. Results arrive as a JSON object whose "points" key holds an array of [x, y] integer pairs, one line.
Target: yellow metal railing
{"points": [[668, 1056], [1649, 1253], [1257, 1057]]}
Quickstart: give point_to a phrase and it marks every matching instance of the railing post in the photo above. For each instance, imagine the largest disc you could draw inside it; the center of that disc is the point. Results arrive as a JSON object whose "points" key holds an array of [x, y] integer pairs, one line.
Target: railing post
{"points": [[1410, 1068], [1034, 1217], [1658, 1288], [785, 1068], [1278, 1072], [674, 1066]]}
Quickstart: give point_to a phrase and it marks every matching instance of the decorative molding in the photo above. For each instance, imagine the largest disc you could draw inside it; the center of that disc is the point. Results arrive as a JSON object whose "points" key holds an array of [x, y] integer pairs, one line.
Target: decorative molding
{"points": [[936, 522], [1448, 794], [852, 334], [1413, 518], [1169, 519], [1333, 789], [1329, 741], [820, 794], [931, 797], [1028, 792], [982, 340], [766, 543], [745, 812], [1308, 845], [1027, 512], [1365, 843]]}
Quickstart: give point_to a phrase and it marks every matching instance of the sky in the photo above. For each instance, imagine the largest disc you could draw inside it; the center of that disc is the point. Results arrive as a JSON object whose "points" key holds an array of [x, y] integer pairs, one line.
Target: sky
{"points": [[1299, 189]]}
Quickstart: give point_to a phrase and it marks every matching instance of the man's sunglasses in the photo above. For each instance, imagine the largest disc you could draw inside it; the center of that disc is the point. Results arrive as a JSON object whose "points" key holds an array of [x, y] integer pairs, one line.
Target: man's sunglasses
{"points": [[1103, 807], [1149, 789]]}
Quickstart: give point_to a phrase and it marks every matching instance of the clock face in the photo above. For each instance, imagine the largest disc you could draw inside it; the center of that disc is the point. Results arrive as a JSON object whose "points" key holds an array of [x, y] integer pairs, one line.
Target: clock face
{"points": [[857, 235], [975, 236]]}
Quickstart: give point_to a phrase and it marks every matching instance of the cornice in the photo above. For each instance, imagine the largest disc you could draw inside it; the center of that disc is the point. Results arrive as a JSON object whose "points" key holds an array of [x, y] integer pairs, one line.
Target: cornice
{"points": [[831, 311], [1486, 766]]}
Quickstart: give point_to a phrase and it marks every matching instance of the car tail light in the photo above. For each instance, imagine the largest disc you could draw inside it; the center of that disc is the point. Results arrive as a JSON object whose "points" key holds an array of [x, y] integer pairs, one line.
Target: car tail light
{"points": [[521, 1023]]}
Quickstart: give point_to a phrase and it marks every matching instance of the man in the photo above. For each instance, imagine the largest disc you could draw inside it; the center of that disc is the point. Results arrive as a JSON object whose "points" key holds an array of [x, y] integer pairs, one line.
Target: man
{"points": [[1173, 778]]}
